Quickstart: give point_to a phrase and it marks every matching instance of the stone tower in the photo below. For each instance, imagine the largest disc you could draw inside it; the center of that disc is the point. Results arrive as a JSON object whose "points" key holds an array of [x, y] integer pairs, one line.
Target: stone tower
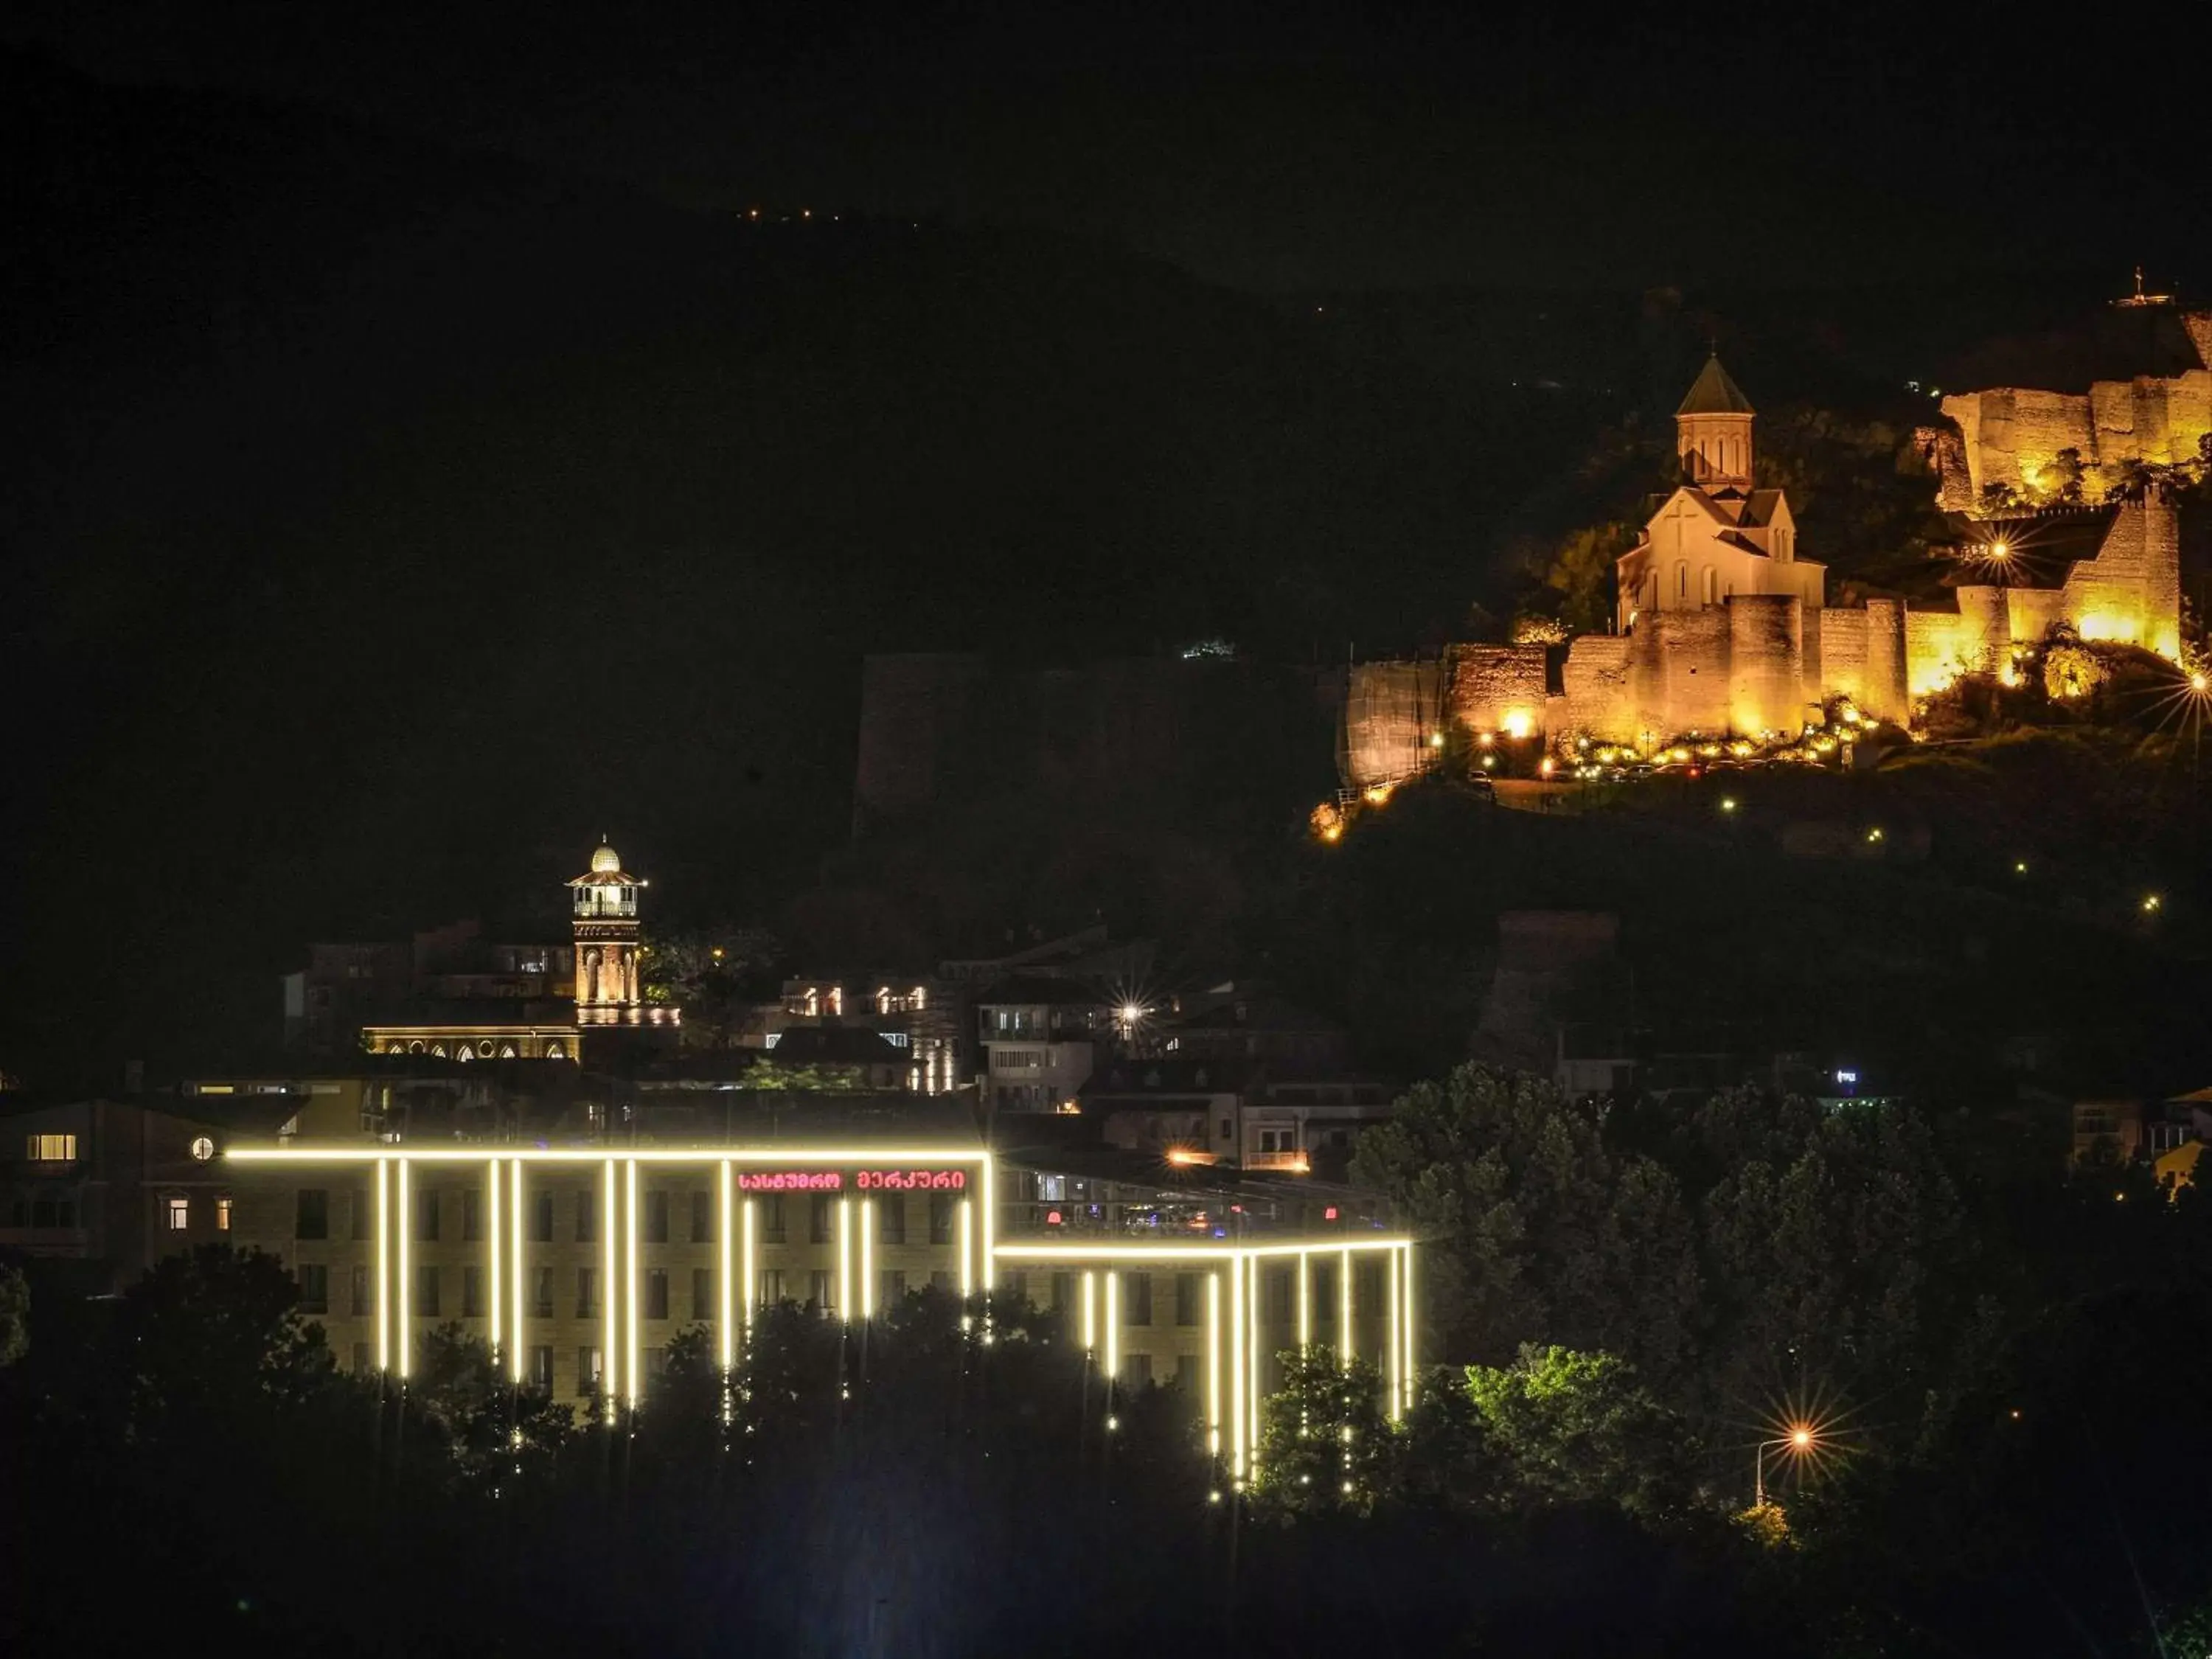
{"points": [[606, 922], [1712, 432]]}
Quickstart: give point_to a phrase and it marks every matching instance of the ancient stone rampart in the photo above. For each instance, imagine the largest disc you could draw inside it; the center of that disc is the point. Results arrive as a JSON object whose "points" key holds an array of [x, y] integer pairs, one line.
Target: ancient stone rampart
{"points": [[1498, 688], [2011, 435], [1392, 710], [1883, 689], [2032, 612], [1835, 656], [1766, 662], [1985, 636], [1935, 650], [1596, 684], [2132, 590]]}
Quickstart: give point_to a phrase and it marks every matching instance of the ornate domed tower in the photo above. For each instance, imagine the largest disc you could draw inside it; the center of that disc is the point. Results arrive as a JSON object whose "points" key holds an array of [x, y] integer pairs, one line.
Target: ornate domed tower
{"points": [[605, 920]]}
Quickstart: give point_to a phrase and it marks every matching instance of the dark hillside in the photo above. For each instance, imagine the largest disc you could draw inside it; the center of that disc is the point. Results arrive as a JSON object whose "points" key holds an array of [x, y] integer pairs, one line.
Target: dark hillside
{"points": [[607, 504]]}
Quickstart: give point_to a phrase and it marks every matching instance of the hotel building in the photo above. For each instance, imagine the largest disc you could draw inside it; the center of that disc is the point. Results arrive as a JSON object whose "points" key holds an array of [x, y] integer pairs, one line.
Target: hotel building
{"points": [[578, 1251]]}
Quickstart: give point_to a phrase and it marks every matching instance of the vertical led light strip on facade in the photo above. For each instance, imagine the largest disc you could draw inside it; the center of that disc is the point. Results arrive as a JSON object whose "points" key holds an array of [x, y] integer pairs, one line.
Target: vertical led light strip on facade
{"points": [[1343, 1312], [1395, 1372], [1305, 1301], [1252, 1359], [383, 1264], [990, 1222], [967, 1249], [752, 1271], [1089, 1313], [493, 1237], [517, 1353], [629, 1283], [610, 1333], [726, 1221], [1113, 1326], [868, 1257], [1237, 1365], [403, 1299], [1412, 1354], [1213, 1365], [845, 1260]]}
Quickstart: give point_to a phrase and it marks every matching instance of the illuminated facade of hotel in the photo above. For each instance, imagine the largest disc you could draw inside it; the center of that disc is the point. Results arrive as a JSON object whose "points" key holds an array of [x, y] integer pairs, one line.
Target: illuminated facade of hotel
{"points": [[578, 1258]]}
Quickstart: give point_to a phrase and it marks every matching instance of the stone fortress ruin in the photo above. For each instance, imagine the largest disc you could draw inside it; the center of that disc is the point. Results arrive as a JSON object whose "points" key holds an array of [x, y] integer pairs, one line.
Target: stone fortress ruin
{"points": [[1722, 632]]}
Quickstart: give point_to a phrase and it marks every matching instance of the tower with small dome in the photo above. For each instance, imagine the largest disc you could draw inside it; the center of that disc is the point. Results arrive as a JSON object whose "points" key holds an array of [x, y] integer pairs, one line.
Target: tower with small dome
{"points": [[604, 920]]}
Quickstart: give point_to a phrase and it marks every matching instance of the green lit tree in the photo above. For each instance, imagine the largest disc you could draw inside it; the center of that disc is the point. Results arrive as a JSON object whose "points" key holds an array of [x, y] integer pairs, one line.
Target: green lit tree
{"points": [[1324, 1444], [1566, 1427]]}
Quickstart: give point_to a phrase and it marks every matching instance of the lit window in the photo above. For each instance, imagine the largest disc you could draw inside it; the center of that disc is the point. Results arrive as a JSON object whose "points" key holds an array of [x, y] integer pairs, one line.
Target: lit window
{"points": [[180, 1214], [52, 1149], [203, 1149], [223, 1215]]}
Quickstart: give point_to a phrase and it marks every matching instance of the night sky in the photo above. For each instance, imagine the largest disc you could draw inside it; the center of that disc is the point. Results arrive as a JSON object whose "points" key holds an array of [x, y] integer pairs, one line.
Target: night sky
{"points": [[419, 465], [1299, 147]]}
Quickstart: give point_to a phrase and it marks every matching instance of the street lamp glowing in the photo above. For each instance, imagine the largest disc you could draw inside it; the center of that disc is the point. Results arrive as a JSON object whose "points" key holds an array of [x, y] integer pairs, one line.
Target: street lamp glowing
{"points": [[2001, 549], [1801, 1440]]}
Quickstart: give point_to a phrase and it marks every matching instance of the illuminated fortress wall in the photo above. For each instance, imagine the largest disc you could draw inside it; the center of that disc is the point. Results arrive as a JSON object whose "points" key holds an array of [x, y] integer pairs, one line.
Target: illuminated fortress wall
{"points": [[1835, 656], [1758, 663], [2012, 435], [1678, 674], [1883, 682], [1391, 712], [1595, 680], [2132, 590], [1766, 656], [1498, 688]]}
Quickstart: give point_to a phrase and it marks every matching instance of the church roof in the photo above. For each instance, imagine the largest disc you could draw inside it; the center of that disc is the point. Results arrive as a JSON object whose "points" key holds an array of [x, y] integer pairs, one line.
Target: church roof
{"points": [[1713, 393], [1759, 508]]}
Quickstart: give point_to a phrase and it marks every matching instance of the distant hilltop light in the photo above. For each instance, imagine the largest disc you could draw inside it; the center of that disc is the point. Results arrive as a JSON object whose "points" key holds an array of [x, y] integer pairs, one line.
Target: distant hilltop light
{"points": [[2140, 298], [1199, 648]]}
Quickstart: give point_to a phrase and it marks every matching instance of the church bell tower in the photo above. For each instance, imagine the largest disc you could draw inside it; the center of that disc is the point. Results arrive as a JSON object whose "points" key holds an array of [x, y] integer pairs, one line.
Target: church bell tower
{"points": [[1712, 432], [606, 922]]}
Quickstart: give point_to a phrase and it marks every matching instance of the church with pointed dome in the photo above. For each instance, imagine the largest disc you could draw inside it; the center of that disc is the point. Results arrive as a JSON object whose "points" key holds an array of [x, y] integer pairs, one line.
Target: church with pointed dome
{"points": [[1718, 534], [1721, 632]]}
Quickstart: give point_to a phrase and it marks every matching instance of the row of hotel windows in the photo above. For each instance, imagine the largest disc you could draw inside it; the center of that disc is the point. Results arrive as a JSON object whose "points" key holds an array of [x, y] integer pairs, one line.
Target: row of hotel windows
{"points": [[312, 1218], [772, 1285], [1136, 1367], [61, 1213], [62, 1149]]}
